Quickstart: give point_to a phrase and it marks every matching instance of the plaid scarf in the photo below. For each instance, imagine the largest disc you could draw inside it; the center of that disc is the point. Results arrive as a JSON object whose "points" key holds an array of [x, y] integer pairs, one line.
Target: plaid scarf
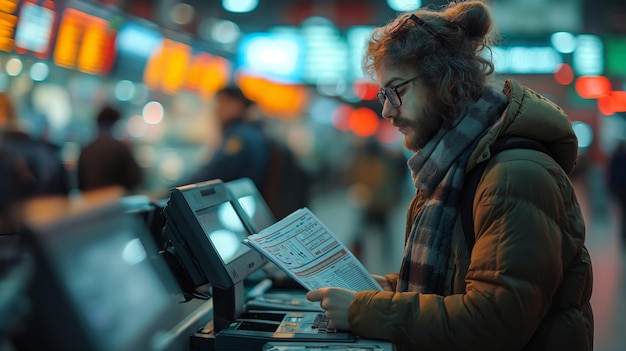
{"points": [[438, 171]]}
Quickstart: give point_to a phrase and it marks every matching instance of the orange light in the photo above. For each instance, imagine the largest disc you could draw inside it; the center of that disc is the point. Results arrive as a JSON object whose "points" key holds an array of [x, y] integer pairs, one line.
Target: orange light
{"points": [[167, 68], [178, 56], [275, 99], [84, 42], [592, 87], [605, 106], [619, 100], [90, 55], [208, 74], [363, 122], [364, 89], [564, 74], [614, 102], [68, 39], [8, 6], [8, 21], [155, 66]]}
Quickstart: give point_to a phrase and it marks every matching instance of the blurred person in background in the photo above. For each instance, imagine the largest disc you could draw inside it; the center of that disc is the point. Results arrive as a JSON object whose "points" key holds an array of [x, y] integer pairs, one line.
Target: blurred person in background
{"points": [[374, 176], [16, 185], [523, 280], [243, 151], [29, 167], [287, 182], [246, 150], [107, 162], [617, 184]]}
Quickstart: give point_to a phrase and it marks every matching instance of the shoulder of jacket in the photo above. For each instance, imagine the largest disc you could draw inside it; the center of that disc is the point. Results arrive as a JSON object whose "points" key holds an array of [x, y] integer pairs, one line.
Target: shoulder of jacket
{"points": [[518, 166]]}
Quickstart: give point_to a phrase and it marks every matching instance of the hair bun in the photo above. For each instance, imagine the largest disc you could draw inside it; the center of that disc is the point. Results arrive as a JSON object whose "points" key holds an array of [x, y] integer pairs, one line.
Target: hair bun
{"points": [[474, 17]]}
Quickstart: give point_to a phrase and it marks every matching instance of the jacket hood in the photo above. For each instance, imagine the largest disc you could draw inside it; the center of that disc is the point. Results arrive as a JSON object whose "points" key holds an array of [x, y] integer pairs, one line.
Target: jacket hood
{"points": [[532, 116]]}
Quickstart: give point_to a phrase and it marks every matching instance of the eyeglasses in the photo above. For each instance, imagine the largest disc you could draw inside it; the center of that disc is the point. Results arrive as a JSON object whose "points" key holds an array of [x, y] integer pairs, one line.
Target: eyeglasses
{"points": [[391, 93]]}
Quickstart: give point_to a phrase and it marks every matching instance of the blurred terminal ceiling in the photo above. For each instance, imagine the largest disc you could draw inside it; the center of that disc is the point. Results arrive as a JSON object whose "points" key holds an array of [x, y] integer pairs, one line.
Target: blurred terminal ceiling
{"points": [[514, 17]]}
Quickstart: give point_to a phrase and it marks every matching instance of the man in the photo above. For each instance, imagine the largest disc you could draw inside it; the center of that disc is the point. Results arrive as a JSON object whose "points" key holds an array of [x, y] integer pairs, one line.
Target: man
{"points": [[248, 151], [106, 161], [244, 150], [46, 173], [29, 167], [526, 284]]}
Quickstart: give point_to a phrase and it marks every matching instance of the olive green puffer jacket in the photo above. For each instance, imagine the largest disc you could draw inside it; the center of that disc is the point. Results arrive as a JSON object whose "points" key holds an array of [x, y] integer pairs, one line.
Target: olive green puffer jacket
{"points": [[528, 281]]}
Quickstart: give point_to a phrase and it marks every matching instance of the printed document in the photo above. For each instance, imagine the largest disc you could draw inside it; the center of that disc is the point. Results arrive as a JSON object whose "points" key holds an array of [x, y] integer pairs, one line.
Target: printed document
{"points": [[309, 252]]}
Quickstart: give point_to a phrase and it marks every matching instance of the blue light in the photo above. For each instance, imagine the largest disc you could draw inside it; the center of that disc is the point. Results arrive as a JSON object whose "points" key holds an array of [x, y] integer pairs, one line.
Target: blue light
{"points": [[137, 41], [584, 133], [239, 6], [404, 5], [588, 59], [277, 56], [563, 42]]}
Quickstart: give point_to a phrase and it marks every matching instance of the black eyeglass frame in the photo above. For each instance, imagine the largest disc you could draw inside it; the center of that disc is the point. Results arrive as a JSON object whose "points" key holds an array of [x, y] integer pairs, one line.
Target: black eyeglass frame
{"points": [[384, 94]]}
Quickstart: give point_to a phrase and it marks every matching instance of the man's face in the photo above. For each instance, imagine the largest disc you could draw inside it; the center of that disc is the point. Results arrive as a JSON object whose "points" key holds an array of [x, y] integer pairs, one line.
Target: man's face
{"points": [[415, 118], [227, 108]]}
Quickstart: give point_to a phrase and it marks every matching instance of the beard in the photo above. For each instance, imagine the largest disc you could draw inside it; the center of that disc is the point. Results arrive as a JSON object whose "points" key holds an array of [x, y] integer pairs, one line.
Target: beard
{"points": [[428, 124]]}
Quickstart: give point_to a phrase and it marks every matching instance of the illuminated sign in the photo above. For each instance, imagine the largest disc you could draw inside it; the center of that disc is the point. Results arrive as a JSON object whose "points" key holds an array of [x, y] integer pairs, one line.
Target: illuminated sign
{"points": [[588, 58], [286, 101], [34, 29], [165, 64], [277, 56], [615, 49], [130, 58], [526, 59], [132, 33], [167, 69], [173, 67], [85, 42], [7, 24], [327, 56], [357, 37], [208, 74]]}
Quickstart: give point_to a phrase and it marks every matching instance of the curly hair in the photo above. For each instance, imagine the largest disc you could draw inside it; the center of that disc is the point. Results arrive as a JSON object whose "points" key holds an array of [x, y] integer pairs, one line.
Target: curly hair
{"points": [[449, 50]]}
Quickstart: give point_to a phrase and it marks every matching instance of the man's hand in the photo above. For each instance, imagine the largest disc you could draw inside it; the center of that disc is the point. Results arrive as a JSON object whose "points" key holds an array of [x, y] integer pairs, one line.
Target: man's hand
{"points": [[335, 302]]}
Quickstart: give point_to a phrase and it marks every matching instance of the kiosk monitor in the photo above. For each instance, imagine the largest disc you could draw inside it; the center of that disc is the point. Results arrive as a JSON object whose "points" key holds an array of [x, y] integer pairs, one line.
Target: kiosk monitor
{"points": [[98, 285], [204, 224]]}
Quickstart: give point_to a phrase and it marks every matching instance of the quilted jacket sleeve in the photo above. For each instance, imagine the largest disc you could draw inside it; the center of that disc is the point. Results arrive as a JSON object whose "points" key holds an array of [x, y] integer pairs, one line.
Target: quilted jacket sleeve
{"points": [[514, 271]]}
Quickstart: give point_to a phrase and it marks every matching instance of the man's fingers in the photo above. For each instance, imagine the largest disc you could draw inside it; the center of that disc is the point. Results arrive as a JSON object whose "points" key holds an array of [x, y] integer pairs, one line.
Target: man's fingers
{"points": [[315, 295], [330, 323]]}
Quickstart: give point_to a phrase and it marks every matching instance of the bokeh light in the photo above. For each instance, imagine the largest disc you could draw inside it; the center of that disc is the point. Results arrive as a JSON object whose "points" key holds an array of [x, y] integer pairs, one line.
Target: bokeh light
{"points": [[592, 87], [584, 133], [341, 117], [124, 90], [14, 67], [563, 42], [153, 112], [363, 122], [564, 74], [239, 6], [39, 71]]}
